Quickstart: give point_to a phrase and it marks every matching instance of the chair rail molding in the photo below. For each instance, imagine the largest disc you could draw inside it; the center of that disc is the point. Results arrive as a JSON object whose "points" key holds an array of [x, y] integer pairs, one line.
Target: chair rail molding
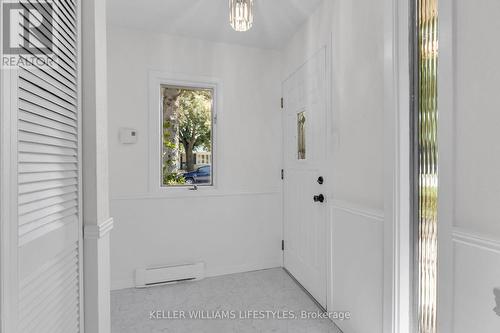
{"points": [[98, 231], [475, 239], [352, 208]]}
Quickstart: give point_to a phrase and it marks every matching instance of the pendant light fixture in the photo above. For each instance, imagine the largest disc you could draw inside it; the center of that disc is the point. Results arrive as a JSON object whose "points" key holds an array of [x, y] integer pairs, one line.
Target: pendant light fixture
{"points": [[241, 14]]}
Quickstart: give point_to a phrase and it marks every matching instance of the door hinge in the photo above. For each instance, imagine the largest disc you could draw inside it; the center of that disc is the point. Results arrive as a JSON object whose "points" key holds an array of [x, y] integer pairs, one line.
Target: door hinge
{"points": [[282, 103], [282, 245], [282, 174]]}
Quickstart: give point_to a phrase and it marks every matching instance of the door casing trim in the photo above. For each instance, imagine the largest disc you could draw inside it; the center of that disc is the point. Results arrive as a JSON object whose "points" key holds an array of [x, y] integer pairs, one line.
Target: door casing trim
{"points": [[397, 226]]}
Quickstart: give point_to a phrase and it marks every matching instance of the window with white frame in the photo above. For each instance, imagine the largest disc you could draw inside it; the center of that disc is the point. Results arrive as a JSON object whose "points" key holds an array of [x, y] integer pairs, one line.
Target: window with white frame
{"points": [[187, 116]]}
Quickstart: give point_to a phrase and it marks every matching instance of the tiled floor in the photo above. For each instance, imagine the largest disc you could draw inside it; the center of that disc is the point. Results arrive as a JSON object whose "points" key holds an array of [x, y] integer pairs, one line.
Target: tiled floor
{"points": [[268, 290]]}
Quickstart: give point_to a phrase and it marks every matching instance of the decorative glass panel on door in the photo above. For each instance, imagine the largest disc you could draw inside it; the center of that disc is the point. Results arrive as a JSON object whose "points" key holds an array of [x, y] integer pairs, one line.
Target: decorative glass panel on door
{"points": [[301, 135]]}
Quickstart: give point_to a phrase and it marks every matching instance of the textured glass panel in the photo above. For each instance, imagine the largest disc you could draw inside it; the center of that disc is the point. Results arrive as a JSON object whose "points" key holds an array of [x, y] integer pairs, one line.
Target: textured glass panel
{"points": [[428, 163], [301, 135]]}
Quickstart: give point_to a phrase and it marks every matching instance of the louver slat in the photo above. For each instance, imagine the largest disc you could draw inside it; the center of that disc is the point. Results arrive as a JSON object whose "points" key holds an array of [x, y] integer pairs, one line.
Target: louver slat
{"points": [[45, 167], [53, 288], [59, 43], [49, 85], [34, 294], [46, 158], [44, 176], [58, 22], [53, 72], [70, 9], [31, 283], [62, 60], [67, 117], [40, 119], [47, 213], [40, 204], [46, 92], [29, 101], [66, 15], [33, 232], [51, 76], [40, 78], [46, 131], [48, 193], [41, 186], [45, 140]]}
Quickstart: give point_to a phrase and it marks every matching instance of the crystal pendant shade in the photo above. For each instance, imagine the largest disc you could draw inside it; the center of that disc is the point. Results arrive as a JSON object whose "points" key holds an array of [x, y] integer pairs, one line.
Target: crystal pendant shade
{"points": [[241, 14]]}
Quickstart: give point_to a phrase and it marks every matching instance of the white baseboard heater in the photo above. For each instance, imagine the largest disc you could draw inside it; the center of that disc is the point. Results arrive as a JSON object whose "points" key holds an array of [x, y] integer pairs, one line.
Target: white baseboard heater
{"points": [[157, 276]]}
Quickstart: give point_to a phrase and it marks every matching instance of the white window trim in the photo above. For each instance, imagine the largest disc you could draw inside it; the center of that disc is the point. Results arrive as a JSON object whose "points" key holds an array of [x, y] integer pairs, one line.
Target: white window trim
{"points": [[157, 79]]}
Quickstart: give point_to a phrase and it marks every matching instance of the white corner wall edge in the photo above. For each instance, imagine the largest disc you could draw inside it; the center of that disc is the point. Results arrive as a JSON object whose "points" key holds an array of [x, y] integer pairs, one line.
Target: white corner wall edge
{"points": [[95, 172], [98, 231]]}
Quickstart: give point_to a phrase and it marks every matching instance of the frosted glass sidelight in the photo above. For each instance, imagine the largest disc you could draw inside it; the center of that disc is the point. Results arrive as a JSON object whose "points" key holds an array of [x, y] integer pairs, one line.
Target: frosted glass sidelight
{"points": [[427, 164]]}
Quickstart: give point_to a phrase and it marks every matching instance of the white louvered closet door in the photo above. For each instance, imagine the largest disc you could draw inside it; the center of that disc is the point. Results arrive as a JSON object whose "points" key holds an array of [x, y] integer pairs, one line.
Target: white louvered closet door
{"points": [[48, 168]]}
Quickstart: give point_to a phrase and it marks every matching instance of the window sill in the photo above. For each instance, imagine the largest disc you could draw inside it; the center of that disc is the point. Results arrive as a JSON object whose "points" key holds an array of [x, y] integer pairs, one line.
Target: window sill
{"points": [[167, 194]]}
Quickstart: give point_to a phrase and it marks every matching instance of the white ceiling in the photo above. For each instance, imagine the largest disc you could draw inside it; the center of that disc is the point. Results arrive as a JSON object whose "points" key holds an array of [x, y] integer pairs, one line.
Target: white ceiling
{"points": [[275, 21]]}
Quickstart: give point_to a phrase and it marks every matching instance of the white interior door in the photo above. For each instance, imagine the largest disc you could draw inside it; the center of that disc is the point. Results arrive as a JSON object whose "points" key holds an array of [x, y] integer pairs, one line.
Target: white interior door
{"points": [[305, 212], [44, 287]]}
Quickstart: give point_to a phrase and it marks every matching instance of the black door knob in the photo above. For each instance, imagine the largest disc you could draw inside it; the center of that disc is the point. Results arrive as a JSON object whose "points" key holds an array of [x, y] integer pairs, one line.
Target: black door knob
{"points": [[319, 198], [321, 180]]}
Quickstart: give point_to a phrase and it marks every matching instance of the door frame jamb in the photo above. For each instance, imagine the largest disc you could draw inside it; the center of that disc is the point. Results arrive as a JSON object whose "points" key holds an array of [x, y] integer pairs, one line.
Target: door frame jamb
{"points": [[397, 227]]}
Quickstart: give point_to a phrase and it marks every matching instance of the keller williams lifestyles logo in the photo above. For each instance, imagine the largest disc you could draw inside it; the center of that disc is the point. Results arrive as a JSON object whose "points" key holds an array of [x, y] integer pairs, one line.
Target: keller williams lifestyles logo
{"points": [[27, 33]]}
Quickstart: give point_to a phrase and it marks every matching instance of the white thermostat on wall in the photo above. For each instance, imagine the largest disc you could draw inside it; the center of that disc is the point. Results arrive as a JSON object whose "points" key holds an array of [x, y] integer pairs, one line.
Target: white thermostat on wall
{"points": [[128, 135]]}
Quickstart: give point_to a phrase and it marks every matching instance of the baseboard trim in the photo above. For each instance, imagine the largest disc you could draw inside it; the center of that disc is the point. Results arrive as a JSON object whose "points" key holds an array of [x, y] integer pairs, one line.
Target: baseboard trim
{"points": [[214, 272], [477, 240], [209, 193], [228, 270], [318, 304], [356, 209], [122, 284]]}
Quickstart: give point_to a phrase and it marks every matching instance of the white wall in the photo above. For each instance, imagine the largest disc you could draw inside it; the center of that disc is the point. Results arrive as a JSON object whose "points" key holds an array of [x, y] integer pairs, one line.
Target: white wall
{"points": [[476, 251], [477, 116], [354, 29], [234, 228]]}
